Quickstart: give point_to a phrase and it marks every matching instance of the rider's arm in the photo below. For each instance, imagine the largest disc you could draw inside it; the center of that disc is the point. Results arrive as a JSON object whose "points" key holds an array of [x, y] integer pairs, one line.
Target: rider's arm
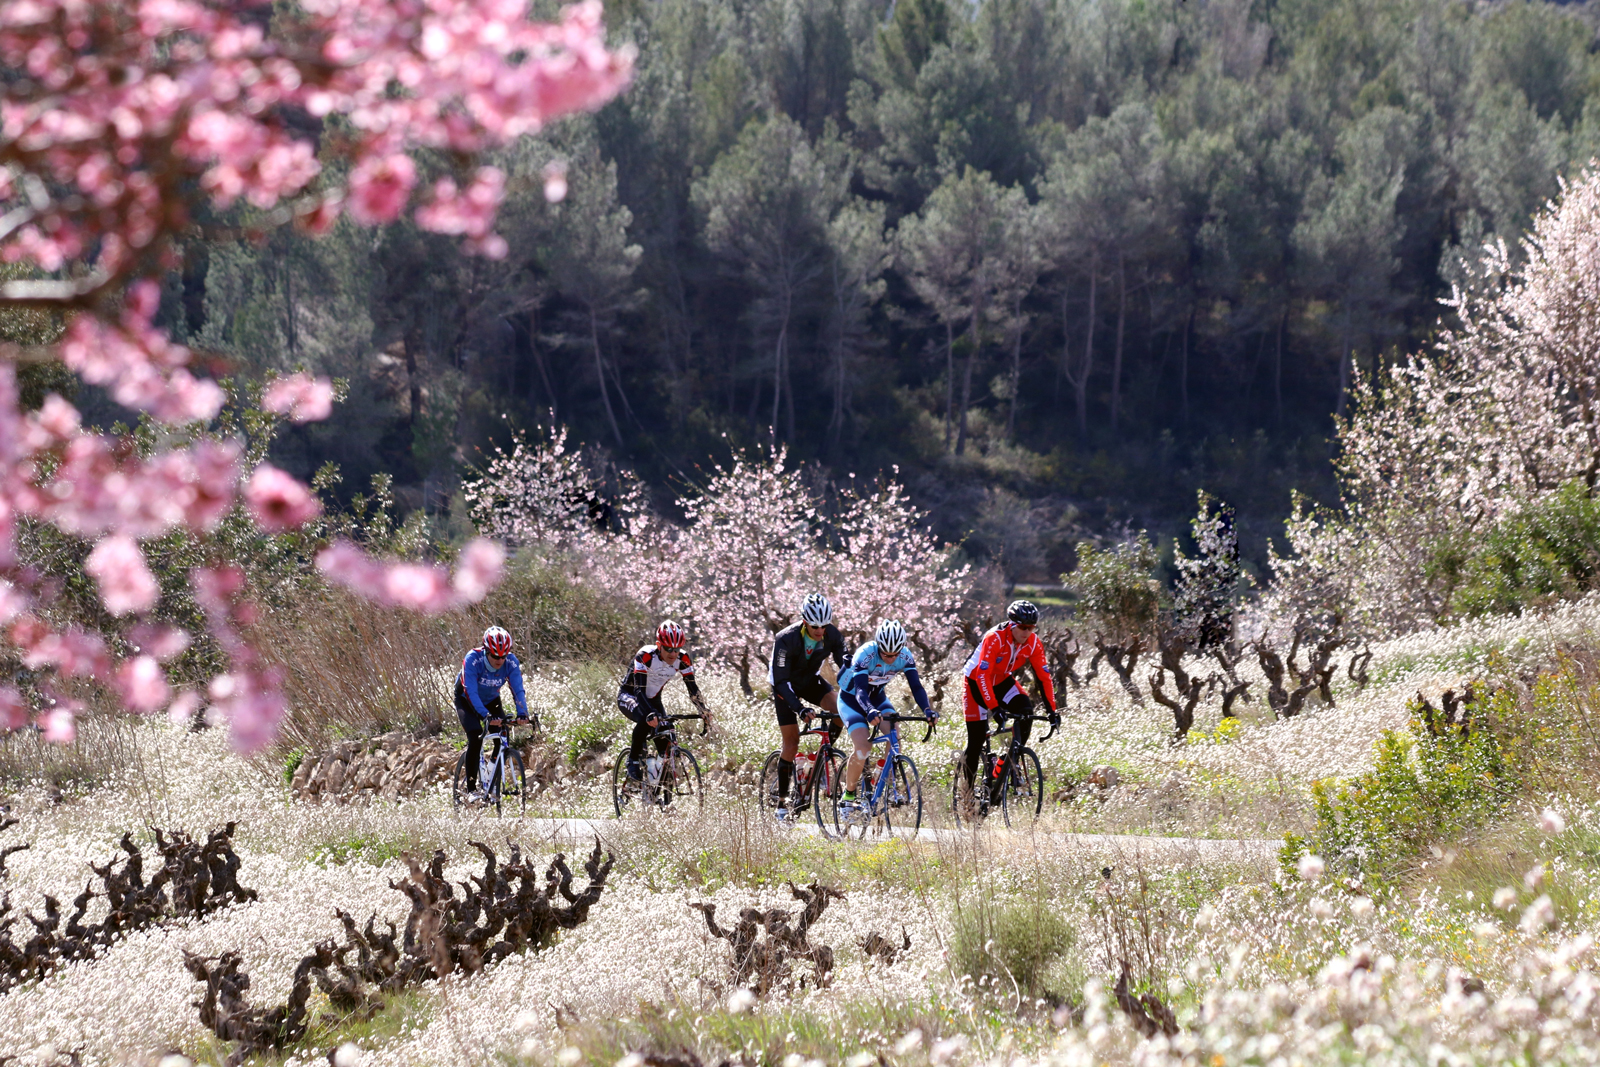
{"points": [[686, 672], [517, 692], [1042, 672], [782, 683], [469, 682], [919, 694], [834, 646]]}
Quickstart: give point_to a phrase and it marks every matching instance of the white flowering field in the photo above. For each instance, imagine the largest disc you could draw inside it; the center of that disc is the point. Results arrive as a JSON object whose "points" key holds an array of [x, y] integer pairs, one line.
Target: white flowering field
{"points": [[1007, 945]]}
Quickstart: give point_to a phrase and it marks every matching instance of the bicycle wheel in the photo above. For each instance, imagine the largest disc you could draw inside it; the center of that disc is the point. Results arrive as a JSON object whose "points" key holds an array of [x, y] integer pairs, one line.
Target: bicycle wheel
{"points": [[905, 796], [767, 787], [827, 784], [512, 788], [458, 782], [626, 793], [969, 804], [1024, 788], [680, 785]]}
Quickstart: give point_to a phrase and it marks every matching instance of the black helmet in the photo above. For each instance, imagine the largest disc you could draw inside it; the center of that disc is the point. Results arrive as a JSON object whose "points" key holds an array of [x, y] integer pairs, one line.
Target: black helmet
{"points": [[1023, 613]]}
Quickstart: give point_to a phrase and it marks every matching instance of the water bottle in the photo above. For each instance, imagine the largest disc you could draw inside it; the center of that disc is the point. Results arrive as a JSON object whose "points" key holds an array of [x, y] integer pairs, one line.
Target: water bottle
{"points": [[999, 768], [485, 770], [802, 773], [652, 770]]}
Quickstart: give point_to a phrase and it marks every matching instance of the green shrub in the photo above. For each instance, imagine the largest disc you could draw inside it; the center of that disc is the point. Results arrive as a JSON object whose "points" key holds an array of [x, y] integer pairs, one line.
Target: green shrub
{"points": [[1428, 783], [1548, 551], [998, 943]]}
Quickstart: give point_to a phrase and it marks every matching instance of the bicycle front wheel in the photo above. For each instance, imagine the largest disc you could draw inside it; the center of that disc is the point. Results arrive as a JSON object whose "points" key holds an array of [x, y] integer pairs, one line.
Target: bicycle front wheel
{"points": [[1024, 788], [827, 785], [511, 783], [625, 792], [904, 790], [684, 788]]}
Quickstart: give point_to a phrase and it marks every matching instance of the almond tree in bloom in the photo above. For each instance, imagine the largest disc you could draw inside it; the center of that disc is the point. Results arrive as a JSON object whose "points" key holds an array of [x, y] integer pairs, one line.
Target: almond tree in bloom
{"points": [[123, 126], [1502, 414], [549, 493]]}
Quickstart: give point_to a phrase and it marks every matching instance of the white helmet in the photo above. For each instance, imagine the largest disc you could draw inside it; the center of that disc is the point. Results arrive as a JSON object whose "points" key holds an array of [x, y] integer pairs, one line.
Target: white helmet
{"points": [[816, 610], [891, 637]]}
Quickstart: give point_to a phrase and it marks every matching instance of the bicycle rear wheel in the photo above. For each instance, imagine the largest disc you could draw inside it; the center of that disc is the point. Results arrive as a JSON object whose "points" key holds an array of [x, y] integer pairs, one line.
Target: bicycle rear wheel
{"points": [[905, 796], [626, 793], [683, 788], [767, 787], [969, 804], [458, 782]]}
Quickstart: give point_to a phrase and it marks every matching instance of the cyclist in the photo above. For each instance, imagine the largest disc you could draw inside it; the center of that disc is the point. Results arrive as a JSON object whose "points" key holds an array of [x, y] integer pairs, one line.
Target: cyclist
{"points": [[483, 671], [872, 667], [993, 689], [640, 696], [797, 655]]}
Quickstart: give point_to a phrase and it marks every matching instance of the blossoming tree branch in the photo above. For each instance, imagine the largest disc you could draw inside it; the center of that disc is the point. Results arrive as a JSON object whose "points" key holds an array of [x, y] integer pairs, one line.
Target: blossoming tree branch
{"points": [[124, 124]]}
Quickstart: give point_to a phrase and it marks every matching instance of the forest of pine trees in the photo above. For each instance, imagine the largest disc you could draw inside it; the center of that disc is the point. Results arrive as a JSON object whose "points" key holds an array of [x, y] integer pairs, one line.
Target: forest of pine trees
{"points": [[1059, 260]]}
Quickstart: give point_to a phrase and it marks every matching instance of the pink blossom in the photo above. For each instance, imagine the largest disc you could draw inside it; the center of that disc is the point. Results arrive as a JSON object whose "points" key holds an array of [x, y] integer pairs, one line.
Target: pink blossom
{"points": [[60, 725], [142, 684], [278, 501], [379, 188], [555, 181], [300, 397], [479, 568], [118, 567], [417, 587], [14, 710], [162, 642], [183, 707]]}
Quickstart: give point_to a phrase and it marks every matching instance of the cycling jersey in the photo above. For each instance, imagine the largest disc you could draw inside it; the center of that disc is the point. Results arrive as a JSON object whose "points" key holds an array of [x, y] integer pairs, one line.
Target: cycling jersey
{"points": [[862, 682], [482, 684], [997, 657], [650, 672], [796, 660]]}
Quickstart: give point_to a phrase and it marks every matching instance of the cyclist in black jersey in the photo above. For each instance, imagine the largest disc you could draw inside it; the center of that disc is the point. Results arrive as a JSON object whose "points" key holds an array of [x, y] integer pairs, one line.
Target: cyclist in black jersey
{"points": [[797, 655]]}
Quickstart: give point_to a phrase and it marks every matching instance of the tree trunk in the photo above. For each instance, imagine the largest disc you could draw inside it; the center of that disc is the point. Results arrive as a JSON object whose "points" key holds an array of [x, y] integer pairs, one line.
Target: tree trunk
{"points": [[1082, 384], [1116, 363], [413, 379], [949, 382], [1344, 362], [1277, 370], [836, 418], [1183, 368], [600, 373], [966, 380], [777, 365], [1016, 379]]}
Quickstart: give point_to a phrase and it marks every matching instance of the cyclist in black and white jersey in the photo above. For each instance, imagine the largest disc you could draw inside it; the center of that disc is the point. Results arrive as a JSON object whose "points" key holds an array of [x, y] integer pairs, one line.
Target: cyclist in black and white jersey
{"points": [[639, 698]]}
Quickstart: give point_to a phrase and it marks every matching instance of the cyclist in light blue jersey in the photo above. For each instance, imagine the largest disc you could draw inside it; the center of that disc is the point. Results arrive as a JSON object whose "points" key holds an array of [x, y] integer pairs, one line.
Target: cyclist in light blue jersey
{"points": [[862, 699]]}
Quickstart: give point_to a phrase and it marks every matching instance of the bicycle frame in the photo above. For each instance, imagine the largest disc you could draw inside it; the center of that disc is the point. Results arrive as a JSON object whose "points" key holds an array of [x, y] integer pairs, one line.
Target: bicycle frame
{"points": [[892, 741]]}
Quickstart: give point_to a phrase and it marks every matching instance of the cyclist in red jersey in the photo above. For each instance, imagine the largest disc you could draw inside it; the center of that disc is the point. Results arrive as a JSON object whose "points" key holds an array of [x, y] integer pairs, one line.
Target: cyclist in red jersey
{"points": [[993, 689]]}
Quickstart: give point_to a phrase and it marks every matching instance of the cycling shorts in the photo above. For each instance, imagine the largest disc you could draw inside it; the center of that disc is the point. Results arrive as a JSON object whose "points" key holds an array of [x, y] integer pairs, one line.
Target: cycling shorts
{"points": [[854, 715], [1010, 692], [637, 707], [812, 690]]}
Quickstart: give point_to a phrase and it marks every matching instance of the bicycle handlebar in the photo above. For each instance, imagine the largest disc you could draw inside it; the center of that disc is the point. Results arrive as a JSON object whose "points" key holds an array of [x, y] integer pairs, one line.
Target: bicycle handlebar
{"points": [[894, 717], [1054, 719], [705, 723]]}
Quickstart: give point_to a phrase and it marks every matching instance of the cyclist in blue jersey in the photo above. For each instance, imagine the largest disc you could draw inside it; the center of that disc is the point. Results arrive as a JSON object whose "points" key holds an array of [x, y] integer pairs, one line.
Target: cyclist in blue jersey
{"points": [[483, 671], [862, 699]]}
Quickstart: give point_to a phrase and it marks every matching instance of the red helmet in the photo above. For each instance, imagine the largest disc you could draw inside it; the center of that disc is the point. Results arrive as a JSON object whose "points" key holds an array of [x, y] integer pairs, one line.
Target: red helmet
{"points": [[496, 641], [669, 635]]}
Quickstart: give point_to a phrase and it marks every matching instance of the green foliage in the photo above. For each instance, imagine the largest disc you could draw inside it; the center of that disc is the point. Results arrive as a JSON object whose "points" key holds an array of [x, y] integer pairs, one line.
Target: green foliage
{"points": [[999, 943], [1117, 591], [1427, 784], [291, 764], [1548, 551]]}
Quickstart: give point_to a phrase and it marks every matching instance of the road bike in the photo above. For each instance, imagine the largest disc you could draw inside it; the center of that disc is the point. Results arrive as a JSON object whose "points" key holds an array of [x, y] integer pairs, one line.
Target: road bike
{"points": [[890, 789], [666, 781], [1012, 781], [502, 778], [806, 766]]}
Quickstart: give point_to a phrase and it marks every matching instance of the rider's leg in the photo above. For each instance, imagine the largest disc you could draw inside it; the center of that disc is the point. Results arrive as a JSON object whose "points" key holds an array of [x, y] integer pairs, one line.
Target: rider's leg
{"points": [[1017, 702], [977, 730], [861, 736], [789, 730], [472, 726]]}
